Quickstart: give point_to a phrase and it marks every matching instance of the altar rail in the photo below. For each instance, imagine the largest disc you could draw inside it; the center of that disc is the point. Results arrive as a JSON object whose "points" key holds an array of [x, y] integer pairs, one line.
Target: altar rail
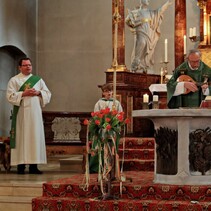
{"points": [[65, 128]]}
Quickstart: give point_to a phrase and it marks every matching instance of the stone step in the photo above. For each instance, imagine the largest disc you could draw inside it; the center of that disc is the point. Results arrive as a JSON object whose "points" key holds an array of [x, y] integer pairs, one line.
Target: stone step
{"points": [[13, 203], [20, 189], [73, 163], [18, 196]]}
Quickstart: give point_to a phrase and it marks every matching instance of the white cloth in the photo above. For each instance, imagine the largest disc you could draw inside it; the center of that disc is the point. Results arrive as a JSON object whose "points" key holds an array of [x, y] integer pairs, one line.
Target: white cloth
{"points": [[30, 139], [180, 89], [102, 104], [157, 88]]}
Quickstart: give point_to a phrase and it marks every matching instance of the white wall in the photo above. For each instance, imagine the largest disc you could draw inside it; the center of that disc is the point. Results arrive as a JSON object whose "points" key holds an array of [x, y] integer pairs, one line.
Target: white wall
{"points": [[73, 48], [17, 29]]}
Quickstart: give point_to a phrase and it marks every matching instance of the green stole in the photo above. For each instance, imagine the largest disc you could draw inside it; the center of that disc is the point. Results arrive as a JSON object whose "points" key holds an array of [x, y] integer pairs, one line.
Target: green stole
{"points": [[27, 85]]}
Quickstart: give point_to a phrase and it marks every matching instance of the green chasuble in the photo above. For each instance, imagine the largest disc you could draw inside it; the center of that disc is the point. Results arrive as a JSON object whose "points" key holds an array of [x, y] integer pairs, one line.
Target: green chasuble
{"points": [[192, 99], [27, 85]]}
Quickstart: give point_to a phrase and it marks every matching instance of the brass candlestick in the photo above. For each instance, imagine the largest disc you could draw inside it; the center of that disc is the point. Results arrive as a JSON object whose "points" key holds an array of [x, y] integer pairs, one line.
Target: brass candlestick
{"points": [[145, 106]]}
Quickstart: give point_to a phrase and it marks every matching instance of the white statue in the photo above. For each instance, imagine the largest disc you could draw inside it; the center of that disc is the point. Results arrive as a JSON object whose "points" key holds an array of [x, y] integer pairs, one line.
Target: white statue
{"points": [[145, 25]]}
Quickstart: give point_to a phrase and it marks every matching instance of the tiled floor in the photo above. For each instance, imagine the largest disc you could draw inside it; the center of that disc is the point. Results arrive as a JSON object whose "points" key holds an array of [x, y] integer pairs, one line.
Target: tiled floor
{"points": [[51, 171]]}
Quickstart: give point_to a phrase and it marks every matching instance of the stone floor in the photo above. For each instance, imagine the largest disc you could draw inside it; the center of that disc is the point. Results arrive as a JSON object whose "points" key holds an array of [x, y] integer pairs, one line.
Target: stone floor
{"points": [[16, 191]]}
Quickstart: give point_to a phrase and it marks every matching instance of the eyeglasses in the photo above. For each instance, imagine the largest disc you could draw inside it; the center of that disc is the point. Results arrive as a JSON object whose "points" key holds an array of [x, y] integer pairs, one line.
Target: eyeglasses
{"points": [[26, 65]]}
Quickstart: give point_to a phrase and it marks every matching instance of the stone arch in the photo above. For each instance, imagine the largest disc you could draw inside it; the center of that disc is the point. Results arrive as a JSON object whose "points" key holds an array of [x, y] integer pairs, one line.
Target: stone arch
{"points": [[9, 56]]}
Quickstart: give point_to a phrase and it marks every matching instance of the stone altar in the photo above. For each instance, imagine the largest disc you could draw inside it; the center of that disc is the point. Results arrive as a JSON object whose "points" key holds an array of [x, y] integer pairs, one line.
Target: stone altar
{"points": [[185, 125]]}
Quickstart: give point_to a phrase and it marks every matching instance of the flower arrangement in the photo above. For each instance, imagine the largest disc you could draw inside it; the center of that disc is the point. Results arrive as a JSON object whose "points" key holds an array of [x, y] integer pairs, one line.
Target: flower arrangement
{"points": [[104, 132], [104, 125]]}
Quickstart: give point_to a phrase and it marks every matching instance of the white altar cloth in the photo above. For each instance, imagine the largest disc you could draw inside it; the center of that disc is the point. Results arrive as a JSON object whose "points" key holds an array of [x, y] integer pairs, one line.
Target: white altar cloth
{"points": [[157, 88]]}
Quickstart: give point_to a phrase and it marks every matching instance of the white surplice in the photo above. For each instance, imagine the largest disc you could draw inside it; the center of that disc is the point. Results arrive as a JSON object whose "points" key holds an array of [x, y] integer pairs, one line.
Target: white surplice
{"points": [[30, 139]]}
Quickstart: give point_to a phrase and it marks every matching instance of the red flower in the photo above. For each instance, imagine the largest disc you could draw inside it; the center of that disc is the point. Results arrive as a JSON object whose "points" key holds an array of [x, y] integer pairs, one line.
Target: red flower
{"points": [[86, 121], [114, 112], [108, 127], [107, 119], [106, 111], [120, 118], [97, 122], [127, 121], [100, 116]]}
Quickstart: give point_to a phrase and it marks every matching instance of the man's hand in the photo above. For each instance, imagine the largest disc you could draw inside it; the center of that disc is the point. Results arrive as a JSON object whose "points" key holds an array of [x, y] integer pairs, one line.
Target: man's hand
{"points": [[190, 86], [30, 92]]}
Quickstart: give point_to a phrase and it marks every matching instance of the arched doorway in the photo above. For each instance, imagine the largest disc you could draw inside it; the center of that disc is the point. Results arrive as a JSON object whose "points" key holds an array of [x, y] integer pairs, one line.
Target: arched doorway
{"points": [[9, 56]]}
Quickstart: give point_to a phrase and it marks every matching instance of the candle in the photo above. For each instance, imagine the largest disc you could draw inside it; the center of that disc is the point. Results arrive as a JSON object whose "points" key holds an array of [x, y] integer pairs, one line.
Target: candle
{"points": [[161, 75], [194, 31], [166, 51], [185, 44], [146, 98], [155, 98], [191, 32]]}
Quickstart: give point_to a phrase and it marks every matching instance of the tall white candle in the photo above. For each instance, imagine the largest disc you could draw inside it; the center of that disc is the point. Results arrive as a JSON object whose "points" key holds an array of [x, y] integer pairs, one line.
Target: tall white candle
{"points": [[191, 32], [185, 51], [155, 98], [161, 75], [166, 51], [194, 31], [145, 98]]}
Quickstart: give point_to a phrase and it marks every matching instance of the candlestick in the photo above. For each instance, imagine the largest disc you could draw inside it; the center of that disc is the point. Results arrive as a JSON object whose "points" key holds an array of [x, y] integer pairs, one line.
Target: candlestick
{"points": [[114, 87], [166, 51], [161, 75], [185, 45], [145, 98]]}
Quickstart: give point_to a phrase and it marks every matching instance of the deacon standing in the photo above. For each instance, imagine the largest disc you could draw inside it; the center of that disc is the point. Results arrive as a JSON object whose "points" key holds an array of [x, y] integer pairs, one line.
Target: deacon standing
{"points": [[27, 93]]}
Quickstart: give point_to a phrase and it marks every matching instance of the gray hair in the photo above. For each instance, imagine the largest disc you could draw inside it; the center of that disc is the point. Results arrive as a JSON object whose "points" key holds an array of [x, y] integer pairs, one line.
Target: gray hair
{"points": [[193, 51]]}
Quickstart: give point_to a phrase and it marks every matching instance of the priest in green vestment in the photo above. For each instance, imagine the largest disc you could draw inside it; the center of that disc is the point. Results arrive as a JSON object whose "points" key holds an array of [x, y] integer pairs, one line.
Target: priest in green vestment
{"points": [[190, 82]]}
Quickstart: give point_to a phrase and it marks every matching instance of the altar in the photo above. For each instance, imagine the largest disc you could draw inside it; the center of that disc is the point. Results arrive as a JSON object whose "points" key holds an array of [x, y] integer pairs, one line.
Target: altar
{"points": [[183, 145]]}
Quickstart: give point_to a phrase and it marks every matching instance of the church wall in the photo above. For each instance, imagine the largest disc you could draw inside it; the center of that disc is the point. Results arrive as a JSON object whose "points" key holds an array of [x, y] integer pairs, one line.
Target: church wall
{"points": [[75, 50], [75, 47], [18, 29], [18, 25]]}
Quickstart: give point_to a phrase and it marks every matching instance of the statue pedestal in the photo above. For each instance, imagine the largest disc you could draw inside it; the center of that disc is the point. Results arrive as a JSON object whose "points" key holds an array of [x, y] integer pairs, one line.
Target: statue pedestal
{"points": [[184, 122]]}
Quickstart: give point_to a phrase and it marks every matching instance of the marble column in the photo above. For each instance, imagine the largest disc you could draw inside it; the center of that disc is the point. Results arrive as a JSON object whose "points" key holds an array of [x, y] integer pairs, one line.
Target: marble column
{"points": [[180, 30], [120, 35], [201, 24]]}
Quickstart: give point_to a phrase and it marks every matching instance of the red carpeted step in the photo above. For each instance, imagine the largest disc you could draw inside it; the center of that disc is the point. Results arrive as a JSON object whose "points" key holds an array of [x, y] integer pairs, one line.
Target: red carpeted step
{"points": [[84, 204], [138, 165], [139, 185], [144, 154], [137, 143]]}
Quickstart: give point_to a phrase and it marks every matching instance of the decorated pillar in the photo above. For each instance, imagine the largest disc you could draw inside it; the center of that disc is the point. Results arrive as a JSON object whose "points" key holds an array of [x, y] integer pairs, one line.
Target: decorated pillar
{"points": [[118, 42], [180, 30]]}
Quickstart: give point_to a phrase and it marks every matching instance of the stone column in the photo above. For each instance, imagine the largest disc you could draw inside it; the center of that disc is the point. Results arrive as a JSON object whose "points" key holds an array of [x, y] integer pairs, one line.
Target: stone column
{"points": [[180, 30], [120, 35], [201, 24]]}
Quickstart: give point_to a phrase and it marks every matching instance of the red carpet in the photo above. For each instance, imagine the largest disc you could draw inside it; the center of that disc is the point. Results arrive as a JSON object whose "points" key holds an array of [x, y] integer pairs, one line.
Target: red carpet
{"points": [[139, 193]]}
